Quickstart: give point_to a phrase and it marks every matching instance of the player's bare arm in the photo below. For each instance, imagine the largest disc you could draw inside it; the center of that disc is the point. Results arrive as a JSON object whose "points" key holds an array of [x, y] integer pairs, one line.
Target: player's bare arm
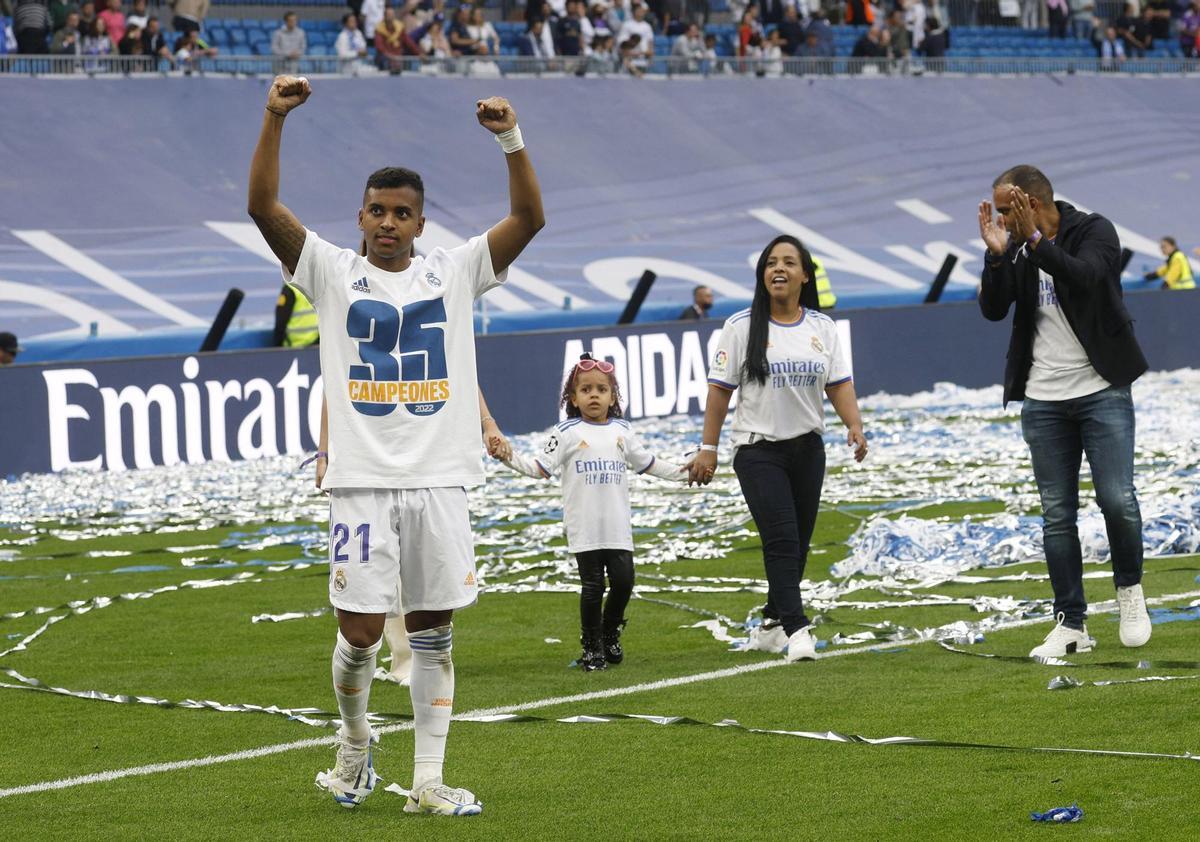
{"points": [[508, 237], [323, 444], [279, 226]]}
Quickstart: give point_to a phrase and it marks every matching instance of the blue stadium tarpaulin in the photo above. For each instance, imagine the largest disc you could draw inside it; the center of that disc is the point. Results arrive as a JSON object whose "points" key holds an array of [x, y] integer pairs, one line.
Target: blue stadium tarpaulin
{"points": [[123, 202]]}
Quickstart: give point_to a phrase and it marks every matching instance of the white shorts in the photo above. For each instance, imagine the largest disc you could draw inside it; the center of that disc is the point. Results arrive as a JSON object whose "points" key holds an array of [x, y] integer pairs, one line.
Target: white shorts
{"points": [[394, 551]]}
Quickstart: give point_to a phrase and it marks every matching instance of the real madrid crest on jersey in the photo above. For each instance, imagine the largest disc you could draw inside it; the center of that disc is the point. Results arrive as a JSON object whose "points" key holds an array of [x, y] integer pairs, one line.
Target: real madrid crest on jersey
{"points": [[817, 346], [339, 580], [621, 443], [433, 280]]}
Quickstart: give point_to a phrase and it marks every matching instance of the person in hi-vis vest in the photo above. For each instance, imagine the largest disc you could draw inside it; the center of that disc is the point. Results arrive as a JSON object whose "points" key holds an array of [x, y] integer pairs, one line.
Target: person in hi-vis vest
{"points": [[1176, 273], [295, 320], [825, 297]]}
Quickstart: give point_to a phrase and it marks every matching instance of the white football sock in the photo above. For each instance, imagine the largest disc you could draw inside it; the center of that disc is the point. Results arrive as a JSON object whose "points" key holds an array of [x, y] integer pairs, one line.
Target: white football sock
{"points": [[432, 690], [353, 669], [397, 640]]}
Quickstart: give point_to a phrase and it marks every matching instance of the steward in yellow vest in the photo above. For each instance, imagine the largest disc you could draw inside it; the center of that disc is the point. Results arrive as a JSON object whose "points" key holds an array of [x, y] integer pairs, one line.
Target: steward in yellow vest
{"points": [[1177, 271], [825, 297], [295, 320]]}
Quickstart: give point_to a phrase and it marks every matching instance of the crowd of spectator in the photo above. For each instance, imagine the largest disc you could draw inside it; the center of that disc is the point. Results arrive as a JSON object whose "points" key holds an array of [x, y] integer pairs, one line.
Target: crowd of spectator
{"points": [[1136, 32], [94, 29], [623, 33], [1131, 31], [595, 34]]}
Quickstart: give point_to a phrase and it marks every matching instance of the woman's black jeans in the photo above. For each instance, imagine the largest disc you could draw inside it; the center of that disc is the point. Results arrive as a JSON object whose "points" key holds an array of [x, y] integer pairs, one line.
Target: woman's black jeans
{"points": [[781, 481]]}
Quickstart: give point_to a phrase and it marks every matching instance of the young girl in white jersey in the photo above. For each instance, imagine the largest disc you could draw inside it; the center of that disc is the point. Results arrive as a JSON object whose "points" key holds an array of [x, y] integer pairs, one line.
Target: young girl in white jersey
{"points": [[590, 451], [785, 357]]}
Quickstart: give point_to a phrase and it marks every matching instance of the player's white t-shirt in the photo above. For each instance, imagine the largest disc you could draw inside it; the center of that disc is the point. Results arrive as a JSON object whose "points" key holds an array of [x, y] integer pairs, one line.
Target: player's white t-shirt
{"points": [[1061, 369], [803, 357], [398, 361], [592, 460]]}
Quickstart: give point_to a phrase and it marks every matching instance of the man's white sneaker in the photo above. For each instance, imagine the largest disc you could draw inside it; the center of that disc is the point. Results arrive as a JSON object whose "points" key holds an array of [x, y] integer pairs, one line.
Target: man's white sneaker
{"points": [[768, 637], [1135, 620], [442, 800], [352, 777], [1063, 641], [801, 646]]}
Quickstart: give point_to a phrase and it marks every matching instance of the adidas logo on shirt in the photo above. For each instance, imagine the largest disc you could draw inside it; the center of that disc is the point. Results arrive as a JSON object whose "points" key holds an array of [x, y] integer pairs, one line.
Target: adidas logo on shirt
{"points": [[361, 285]]}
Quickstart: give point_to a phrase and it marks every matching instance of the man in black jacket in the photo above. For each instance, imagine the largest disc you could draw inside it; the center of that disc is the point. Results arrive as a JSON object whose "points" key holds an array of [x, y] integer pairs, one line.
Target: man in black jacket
{"points": [[702, 302], [1071, 359]]}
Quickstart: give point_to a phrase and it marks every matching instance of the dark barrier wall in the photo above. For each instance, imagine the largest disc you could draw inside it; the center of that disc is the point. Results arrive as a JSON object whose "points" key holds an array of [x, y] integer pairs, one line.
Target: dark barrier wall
{"points": [[120, 414]]}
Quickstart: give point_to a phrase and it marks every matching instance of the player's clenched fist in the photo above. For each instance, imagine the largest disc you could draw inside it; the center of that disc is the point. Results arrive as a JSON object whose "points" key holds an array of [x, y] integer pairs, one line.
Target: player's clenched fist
{"points": [[286, 93], [495, 114]]}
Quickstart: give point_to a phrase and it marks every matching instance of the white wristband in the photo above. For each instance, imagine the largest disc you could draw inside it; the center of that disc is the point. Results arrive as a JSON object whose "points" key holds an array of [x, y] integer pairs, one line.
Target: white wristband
{"points": [[711, 448], [510, 141]]}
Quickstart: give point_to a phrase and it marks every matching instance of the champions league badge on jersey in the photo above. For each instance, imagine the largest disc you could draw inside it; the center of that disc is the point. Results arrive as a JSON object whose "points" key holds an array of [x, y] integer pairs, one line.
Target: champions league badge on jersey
{"points": [[551, 444], [817, 346], [433, 280], [339, 580]]}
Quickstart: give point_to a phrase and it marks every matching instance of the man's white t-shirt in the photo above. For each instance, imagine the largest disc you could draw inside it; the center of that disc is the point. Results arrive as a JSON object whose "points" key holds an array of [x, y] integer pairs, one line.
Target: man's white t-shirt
{"points": [[398, 361], [803, 358], [636, 27], [1061, 369], [371, 13], [592, 459]]}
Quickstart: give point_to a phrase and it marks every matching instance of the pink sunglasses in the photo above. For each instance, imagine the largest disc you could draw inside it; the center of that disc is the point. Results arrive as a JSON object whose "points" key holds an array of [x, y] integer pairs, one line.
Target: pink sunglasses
{"points": [[588, 364]]}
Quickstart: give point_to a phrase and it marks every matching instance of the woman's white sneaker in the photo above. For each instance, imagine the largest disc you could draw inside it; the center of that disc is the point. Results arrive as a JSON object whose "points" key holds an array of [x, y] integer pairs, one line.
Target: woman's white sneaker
{"points": [[1135, 620], [768, 637], [801, 646], [1063, 641]]}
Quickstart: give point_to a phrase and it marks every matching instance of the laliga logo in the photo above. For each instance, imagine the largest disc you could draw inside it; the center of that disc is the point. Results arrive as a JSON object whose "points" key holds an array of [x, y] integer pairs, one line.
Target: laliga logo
{"points": [[433, 280]]}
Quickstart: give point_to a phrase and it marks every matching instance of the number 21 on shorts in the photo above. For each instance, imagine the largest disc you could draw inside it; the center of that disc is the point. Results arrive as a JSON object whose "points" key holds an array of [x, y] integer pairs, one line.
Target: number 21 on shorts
{"points": [[339, 536]]}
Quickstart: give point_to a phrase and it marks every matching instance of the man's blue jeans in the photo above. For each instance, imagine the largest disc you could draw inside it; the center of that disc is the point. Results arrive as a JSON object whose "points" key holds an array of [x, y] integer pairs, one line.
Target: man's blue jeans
{"points": [[1058, 434]]}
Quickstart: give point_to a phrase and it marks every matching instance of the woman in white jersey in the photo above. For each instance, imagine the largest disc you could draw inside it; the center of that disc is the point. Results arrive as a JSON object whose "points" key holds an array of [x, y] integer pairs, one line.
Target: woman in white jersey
{"points": [[783, 354], [591, 450]]}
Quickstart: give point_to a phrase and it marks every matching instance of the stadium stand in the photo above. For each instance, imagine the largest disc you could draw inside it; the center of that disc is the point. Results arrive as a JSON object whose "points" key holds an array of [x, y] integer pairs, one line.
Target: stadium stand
{"points": [[249, 35]]}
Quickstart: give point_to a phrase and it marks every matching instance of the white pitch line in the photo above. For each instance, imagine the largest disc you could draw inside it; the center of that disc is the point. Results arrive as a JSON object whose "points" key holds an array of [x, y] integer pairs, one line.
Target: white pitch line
{"points": [[77, 261], [279, 748], [923, 211], [649, 686]]}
